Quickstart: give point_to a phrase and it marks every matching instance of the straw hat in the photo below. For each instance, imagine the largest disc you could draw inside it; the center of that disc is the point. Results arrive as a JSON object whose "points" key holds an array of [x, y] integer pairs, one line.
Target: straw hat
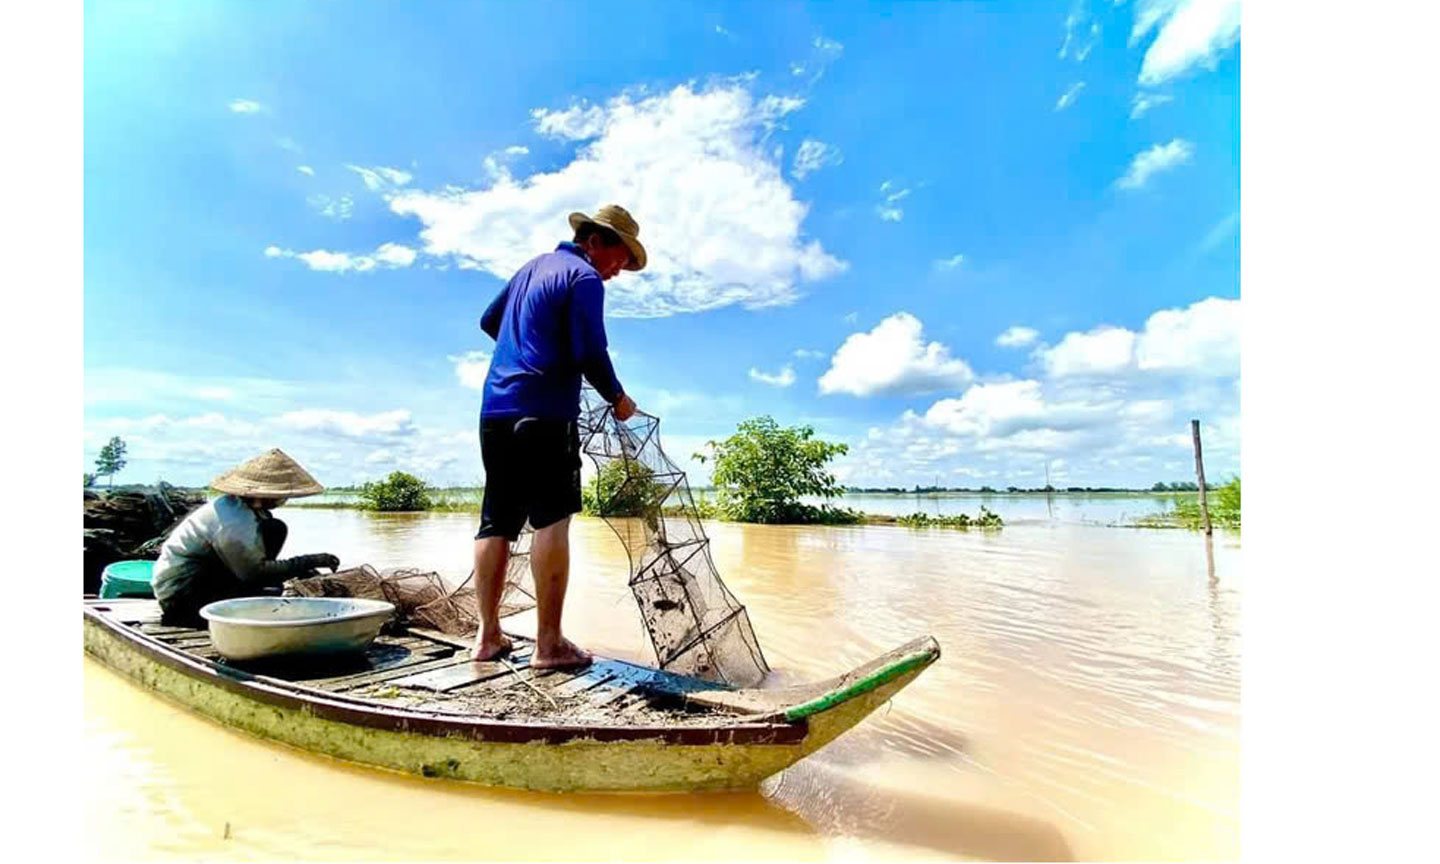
{"points": [[619, 220], [269, 475]]}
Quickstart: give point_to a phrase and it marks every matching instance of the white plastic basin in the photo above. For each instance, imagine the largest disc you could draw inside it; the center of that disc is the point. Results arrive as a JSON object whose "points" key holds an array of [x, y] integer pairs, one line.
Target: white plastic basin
{"points": [[247, 628]]}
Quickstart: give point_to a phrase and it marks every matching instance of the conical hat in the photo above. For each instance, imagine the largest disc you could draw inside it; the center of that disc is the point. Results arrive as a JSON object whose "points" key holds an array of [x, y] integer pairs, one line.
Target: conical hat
{"points": [[269, 475]]}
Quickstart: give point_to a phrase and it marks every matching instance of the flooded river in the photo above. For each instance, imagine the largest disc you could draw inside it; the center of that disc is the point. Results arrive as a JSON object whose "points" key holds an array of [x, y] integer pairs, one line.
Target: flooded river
{"points": [[1086, 706]]}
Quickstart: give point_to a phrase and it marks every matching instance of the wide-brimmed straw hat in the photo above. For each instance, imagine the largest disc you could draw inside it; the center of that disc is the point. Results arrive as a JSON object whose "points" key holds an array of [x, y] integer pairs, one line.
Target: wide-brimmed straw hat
{"points": [[619, 220], [269, 475]]}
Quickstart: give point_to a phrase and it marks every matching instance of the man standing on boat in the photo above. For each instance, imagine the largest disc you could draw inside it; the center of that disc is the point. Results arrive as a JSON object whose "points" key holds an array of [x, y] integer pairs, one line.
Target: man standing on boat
{"points": [[549, 330], [228, 547]]}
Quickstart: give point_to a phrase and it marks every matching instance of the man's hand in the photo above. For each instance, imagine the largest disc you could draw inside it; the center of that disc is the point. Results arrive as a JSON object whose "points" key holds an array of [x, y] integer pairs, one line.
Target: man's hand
{"points": [[624, 408]]}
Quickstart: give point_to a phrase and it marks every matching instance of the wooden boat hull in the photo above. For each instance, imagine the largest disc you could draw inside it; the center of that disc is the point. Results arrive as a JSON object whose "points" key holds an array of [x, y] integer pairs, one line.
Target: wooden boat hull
{"points": [[737, 752]]}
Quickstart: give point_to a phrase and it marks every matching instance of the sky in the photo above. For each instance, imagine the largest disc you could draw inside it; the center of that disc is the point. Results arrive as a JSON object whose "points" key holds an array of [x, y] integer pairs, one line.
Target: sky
{"points": [[972, 241]]}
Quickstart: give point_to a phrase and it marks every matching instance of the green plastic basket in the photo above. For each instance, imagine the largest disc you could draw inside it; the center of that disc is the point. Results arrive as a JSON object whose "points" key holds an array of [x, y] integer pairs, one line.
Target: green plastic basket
{"points": [[127, 579]]}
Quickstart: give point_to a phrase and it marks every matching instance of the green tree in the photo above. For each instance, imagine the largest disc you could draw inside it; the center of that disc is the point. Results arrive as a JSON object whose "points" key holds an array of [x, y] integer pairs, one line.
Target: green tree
{"points": [[111, 459], [762, 471], [398, 492], [89, 479]]}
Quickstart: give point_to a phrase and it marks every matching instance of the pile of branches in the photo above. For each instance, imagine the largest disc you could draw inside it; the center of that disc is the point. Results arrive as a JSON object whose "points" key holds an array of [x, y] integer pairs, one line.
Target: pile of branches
{"points": [[131, 523]]}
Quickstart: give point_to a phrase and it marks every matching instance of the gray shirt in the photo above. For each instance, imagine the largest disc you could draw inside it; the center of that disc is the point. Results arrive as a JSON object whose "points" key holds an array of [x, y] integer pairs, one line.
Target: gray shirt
{"points": [[227, 529]]}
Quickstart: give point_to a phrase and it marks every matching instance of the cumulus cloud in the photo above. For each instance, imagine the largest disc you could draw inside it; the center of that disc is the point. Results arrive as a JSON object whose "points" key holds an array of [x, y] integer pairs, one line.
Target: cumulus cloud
{"points": [[893, 359], [1191, 33], [1069, 95], [387, 256], [812, 156], [784, 378], [245, 106], [1202, 339], [719, 221], [306, 170], [1017, 337], [379, 178], [1101, 351], [1104, 414], [1156, 160], [471, 368]]}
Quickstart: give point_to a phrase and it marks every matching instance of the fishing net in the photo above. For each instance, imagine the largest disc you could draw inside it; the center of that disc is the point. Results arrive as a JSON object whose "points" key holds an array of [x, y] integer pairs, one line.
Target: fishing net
{"points": [[420, 597], [696, 625]]}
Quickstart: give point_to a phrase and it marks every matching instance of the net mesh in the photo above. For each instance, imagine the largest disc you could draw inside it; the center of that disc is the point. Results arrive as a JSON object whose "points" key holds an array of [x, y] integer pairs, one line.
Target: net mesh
{"points": [[420, 597], [696, 625]]}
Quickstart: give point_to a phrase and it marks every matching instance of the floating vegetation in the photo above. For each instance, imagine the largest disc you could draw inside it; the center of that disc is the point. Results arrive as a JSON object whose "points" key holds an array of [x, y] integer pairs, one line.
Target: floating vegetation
{"points": [[964, 521]]}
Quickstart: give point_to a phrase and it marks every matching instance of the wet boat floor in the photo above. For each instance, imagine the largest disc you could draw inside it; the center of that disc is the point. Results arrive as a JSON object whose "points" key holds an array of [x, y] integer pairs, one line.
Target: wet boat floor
{"points": [[431, 671]]}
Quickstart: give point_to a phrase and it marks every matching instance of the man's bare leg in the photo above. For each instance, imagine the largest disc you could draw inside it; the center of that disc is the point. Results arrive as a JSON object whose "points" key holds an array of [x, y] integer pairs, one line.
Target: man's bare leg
{"points": [[492, 554], [550, 563]]}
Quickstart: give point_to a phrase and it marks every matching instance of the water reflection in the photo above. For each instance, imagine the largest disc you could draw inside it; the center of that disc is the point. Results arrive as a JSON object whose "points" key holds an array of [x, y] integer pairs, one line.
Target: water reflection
{"points": [[1086, 704]]}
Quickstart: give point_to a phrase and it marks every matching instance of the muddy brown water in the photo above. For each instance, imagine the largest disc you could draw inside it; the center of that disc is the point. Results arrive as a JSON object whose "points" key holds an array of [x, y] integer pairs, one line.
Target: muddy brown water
{"points": [[1086, 706]]}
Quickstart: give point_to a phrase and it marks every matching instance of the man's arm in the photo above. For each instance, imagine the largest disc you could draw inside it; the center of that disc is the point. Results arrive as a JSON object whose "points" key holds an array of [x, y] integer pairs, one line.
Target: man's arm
{"points": [[490, 321], [588, 345]]}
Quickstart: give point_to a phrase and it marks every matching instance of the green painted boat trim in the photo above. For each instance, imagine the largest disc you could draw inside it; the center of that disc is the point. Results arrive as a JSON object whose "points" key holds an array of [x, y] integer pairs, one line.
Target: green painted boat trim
{"points": [[860, 686]]}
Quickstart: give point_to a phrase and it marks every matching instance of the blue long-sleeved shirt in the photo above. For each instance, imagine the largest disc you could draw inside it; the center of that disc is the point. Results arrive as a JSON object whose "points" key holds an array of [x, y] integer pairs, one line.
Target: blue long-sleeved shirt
{"points": [[549, 329]]}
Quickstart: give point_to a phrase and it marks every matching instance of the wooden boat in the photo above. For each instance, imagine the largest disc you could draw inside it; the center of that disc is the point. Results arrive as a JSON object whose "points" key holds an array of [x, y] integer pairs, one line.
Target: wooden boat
{"points": [[415, 702]]}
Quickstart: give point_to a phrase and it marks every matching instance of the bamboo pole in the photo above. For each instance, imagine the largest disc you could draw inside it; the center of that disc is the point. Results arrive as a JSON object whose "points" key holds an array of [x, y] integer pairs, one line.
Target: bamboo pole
{"points": [[1200, 476]]}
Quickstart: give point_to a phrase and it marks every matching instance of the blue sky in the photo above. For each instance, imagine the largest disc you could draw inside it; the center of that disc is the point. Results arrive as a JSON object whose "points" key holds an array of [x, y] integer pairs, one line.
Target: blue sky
{"points": [[969, 240]]}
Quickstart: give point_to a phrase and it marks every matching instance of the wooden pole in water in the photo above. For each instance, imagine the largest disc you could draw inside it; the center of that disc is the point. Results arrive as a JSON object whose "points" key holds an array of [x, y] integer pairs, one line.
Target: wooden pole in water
{"points": [[1200, 476]]}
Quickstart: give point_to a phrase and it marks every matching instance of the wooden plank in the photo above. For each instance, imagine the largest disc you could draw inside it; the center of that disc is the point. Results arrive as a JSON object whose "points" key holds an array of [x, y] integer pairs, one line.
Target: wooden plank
{"points": [[451, 677], [350, 682]]}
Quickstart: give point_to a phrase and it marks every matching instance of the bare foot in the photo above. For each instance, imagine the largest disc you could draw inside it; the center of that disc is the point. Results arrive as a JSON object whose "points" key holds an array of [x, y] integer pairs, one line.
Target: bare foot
{"points": [[566, 655], [489, 649]]}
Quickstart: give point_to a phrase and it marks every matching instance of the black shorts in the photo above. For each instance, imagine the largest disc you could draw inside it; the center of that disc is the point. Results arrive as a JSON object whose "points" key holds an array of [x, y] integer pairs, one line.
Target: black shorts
{"points": [[532, 471]]}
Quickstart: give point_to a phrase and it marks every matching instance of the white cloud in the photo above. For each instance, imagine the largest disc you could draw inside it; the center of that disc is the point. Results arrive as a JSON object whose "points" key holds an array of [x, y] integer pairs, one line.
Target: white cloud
{"points": [[1017, 337], [338, 209], [348, 424], [517, 150], [1156, 160], [1205, 337], [1101, 351], [893, 359], [579, 122], [1145, 101], [807, 354], [471, 368], [719, 221], [951, 263], [380, 457], [218, 394], [380, 178], [1069, 95], [1202, 339], [245, 106], [1191, 33], [1221, 232], [784, 378], [387, 255], [395, 255], [812, 156], [306, 170], [886, 209]]}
